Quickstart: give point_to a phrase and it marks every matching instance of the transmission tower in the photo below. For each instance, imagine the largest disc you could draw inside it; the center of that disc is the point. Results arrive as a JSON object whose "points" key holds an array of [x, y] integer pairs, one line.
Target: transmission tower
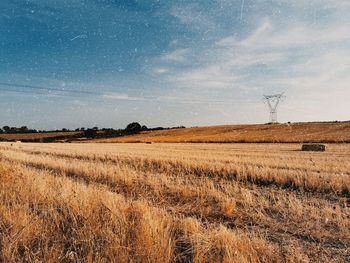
{"points": [[273, 101]]}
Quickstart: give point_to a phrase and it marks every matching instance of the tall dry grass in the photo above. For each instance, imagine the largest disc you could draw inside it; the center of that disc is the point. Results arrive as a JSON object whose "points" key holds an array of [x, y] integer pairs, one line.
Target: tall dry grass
{"points": [[53, 219], [170, 203]]}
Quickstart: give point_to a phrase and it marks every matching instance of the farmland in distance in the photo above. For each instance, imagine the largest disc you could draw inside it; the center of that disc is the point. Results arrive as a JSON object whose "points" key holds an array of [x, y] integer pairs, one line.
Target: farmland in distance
{"points": [[331, 132]]}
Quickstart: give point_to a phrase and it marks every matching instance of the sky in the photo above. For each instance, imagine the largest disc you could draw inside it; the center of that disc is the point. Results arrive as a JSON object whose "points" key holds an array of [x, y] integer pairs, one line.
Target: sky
{"points": [[106, 63]]}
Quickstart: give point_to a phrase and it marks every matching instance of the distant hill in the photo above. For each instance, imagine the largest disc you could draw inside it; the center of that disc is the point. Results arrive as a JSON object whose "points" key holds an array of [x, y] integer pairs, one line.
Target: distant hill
{"points": [[331, 132], [40, 136]]}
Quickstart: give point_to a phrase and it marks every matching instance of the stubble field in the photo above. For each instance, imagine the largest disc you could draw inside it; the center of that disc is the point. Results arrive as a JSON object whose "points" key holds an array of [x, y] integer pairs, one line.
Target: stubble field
{"points": [[331, 132], [174, 203]]}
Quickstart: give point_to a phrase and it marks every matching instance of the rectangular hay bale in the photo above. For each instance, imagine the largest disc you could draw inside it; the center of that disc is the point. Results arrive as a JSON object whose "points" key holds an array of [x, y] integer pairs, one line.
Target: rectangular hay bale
{"points": [[314, 147]]}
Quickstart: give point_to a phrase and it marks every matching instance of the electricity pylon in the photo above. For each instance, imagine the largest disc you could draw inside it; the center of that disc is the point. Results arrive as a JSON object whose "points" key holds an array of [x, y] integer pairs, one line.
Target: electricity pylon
{"points": [[273, 101]]}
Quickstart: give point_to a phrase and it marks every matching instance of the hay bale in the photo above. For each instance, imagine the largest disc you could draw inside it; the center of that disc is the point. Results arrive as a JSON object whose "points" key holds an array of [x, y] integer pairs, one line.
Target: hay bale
{"points": [[314, 147]]}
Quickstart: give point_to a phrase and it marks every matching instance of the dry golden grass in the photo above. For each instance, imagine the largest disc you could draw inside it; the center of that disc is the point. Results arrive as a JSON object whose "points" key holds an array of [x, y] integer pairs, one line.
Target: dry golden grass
{"points": [[297, 132], [174, 203]]}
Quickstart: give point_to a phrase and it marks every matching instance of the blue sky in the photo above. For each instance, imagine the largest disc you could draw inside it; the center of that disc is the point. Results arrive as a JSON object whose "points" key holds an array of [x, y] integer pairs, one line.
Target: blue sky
{"points": [[81, 63]]}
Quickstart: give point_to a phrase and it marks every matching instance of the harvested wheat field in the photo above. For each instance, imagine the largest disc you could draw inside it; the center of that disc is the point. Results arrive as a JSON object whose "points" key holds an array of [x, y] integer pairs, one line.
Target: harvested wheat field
{"points": [[331, 132], [174, 203]]}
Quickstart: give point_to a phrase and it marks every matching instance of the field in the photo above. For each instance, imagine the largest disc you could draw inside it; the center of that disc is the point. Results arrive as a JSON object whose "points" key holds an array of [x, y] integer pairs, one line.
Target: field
{"points": [[295, 132], [37, 136], [330, 132], [174, 203]]}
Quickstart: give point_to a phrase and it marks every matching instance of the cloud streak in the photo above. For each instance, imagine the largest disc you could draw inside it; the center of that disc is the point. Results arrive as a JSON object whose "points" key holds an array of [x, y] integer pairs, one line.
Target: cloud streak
{"points": [[160, 99], [179, 55]]}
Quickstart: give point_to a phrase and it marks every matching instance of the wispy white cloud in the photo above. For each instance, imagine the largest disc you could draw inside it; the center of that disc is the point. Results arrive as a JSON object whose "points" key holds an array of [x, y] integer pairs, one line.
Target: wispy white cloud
{"points": [[288, 55], [122, 96], [310, 3], [212, 76], [267, 36], [164, 99], [178, 55], [160, 70]]}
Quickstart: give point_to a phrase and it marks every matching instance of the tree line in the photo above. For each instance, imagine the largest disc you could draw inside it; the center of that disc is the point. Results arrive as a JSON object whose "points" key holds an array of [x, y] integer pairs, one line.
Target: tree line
{"points": [[131, 128]]}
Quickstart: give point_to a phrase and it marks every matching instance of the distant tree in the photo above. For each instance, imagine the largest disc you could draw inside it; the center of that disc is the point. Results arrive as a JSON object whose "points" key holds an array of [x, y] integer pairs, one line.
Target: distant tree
{"points": [[82, 129], [157, 129], [23, 129], [90, 133], [64, 129], [6, 128], [31, 131], [144, 128], [133, 128], [77, 129], [95, 128]]}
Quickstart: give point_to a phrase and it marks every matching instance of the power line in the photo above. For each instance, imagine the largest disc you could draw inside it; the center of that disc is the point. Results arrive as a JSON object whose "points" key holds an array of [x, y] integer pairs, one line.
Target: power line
{"points": [[48, 89], [23, 91], [34, 90], [36, 93]]}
